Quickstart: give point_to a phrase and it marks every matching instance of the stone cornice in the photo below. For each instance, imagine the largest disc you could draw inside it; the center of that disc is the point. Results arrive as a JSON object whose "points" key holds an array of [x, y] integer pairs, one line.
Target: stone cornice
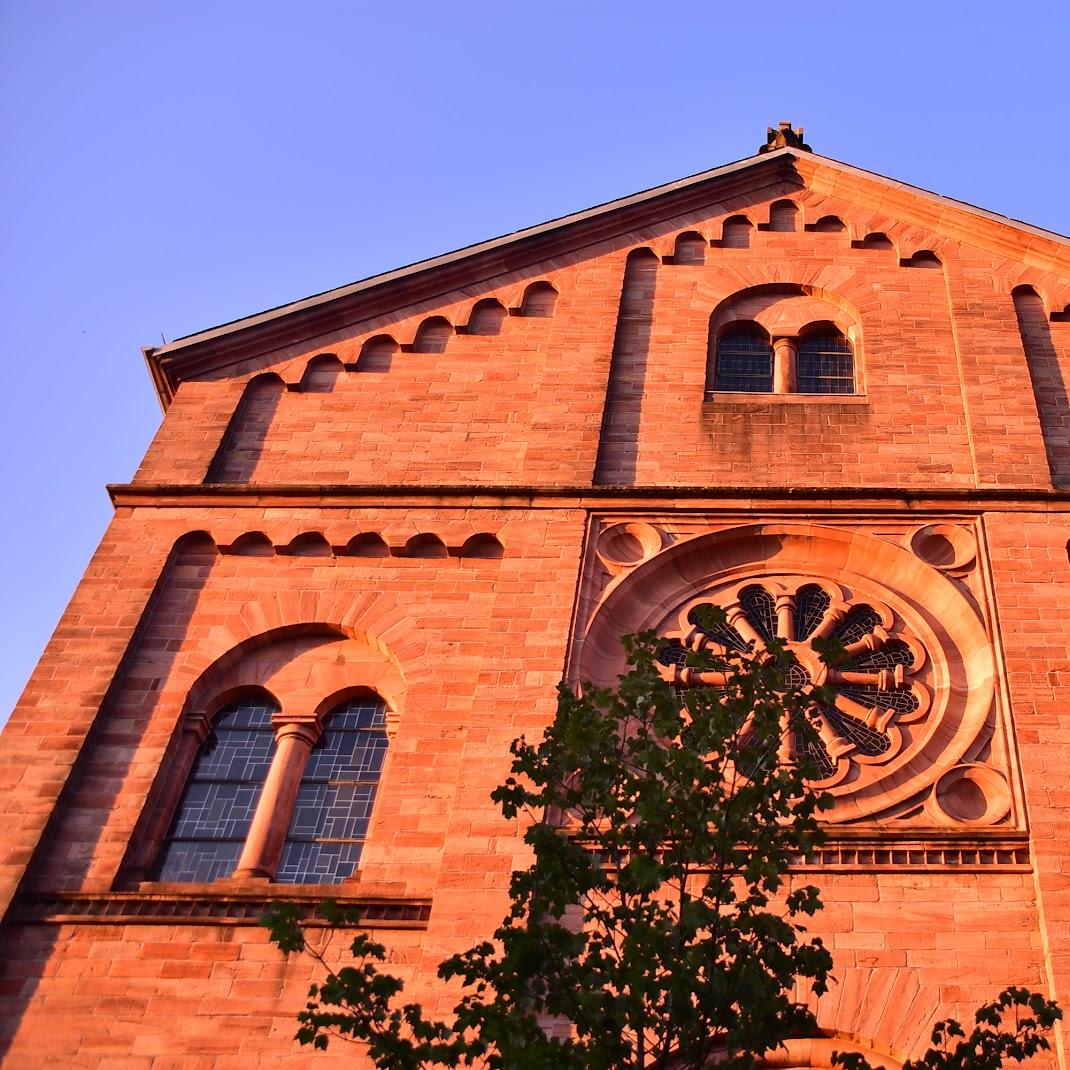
{"points": [[208, 905], [584, 496]]}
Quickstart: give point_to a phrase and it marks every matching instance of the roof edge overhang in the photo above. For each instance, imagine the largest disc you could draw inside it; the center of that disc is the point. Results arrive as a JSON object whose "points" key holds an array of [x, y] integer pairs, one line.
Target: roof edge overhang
{"points": [[230, 343]]}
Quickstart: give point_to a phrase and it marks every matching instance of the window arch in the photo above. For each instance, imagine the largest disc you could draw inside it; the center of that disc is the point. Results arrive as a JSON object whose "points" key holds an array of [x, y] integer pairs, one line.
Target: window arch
{"points": [[825, 362], [335, 798], [213, 818], [785, 339], [280, 783], [744, 360]]}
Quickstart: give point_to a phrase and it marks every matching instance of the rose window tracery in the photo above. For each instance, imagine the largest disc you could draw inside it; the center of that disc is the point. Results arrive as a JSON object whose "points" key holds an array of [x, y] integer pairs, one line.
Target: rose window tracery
{"points": [[876, 693]]}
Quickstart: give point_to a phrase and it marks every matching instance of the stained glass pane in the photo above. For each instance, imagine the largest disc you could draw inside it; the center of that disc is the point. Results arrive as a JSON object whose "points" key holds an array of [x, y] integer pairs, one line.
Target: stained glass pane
{"points": [[217, 807], [900, 701], [817, 753], [760, 609], [888, 657], [825, 364], [745, 362], [672, 652], [336, 796], [724, 634], [859, 623], [811, 605], [868, 740]]}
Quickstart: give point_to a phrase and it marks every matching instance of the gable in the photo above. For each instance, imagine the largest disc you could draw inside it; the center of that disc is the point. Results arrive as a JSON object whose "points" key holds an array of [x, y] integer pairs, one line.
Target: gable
{"points": [[870, 203]]}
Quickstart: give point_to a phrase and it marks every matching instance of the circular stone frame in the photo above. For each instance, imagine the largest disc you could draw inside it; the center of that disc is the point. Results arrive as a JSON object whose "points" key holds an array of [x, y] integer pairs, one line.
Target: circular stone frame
{"points": [[959, 673]]}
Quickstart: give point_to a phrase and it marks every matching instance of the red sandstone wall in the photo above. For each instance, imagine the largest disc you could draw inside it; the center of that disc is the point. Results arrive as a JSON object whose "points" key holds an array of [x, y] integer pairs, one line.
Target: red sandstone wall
{"points": [[199, 997], [948, 393], [1031, 574]]}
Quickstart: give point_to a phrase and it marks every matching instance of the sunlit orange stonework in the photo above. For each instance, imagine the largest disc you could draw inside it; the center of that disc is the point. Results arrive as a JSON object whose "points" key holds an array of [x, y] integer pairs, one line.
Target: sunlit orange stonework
{"points": [[829, 403]]}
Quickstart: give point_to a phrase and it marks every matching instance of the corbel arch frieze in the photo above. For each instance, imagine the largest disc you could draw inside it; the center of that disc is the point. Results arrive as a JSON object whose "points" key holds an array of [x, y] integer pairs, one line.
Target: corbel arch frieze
{"points": [[915, 701]]}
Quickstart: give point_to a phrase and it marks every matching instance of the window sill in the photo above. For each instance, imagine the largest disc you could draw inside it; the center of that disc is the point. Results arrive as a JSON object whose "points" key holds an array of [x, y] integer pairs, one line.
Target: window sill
{"points": [[221, 903], [729, 397]]}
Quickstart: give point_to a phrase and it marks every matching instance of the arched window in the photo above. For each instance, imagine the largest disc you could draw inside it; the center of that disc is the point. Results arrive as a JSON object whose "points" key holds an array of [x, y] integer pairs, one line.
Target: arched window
{"points": [[825, 363], [335, 799], [744, 360], [208, 831]]}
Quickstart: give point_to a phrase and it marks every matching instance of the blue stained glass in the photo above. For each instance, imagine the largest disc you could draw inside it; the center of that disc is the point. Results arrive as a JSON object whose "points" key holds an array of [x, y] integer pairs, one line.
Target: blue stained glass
{"points": [[309, 862], [213, 818], [336, 796]]}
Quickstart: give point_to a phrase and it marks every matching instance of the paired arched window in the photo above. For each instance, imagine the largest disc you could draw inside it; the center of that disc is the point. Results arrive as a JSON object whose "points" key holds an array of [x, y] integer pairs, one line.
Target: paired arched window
{"points": [[225, 821], [817, 361]]}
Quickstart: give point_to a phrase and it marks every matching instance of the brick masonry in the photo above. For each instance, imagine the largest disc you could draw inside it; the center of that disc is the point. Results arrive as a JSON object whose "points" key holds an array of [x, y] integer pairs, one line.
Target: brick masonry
{"points": [[412, 494]]}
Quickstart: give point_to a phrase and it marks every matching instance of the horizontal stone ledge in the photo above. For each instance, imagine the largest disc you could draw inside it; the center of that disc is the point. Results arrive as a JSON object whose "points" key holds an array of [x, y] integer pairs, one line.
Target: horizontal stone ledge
{"points": [[208, 906], [587, 496]]}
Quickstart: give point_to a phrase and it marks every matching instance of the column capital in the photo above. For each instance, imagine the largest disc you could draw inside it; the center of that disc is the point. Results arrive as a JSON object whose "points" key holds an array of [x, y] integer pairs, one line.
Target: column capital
{"points": [[302, 726], [197, 724]]}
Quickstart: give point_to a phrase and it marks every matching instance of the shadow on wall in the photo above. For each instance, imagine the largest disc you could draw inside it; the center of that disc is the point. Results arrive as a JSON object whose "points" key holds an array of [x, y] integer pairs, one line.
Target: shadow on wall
{"points": [[1049, 387], [618, 440], [239, 451], [65, 851]]}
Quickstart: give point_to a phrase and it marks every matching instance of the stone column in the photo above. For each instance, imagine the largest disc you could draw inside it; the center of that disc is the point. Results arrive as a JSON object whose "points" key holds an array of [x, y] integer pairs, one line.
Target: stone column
{"points": [[785, 352], [294, 739]]}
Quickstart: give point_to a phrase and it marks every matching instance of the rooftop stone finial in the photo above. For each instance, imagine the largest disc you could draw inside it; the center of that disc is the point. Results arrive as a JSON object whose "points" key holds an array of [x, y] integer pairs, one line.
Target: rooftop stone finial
{"points": [[782, 137]]}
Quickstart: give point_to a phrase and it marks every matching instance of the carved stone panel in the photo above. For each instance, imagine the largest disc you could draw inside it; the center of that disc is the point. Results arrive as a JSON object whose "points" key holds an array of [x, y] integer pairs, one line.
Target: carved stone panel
{"points": [[915, 732]]}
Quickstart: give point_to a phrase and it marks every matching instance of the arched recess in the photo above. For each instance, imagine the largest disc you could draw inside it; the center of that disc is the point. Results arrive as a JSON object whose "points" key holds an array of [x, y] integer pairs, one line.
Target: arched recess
{"points": [[425, 544], [302, 670], [321, 374], [432, 335], [1050, 388], [923, 258], [539, 300], [251, 544], [828, 224], [690, 248], [482, 545], [875, 239], [377, 354], [783, 216], [367, 544], [243, 442], [618, 437], [915, 603], [308, 544], [487, 316], [736, 232]]}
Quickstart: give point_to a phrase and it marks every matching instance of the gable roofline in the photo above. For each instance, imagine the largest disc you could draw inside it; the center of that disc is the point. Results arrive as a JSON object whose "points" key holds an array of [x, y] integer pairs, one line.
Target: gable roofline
{"points": [[239, 339]]}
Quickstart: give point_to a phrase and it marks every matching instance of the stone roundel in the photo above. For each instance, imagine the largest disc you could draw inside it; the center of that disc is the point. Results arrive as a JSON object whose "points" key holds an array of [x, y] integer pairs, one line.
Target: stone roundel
{"points": [[912, 702], [877, 690]]}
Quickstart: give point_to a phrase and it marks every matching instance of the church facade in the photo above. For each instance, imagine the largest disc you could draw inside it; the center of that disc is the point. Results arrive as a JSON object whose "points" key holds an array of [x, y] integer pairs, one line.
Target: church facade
{"points": [[379, 525]]}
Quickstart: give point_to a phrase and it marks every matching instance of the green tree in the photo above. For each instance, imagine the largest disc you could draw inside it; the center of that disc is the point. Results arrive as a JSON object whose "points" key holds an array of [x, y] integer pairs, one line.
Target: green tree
{"points": [[655, 928]]}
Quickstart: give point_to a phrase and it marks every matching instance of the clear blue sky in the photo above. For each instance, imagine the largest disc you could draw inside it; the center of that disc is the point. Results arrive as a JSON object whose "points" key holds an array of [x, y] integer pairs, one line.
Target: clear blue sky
{"points": [[169, 166]]}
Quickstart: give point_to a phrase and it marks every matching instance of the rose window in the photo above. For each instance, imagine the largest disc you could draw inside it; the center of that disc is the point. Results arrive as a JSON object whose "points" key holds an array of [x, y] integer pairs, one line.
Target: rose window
{"points": [[876, 693]]}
